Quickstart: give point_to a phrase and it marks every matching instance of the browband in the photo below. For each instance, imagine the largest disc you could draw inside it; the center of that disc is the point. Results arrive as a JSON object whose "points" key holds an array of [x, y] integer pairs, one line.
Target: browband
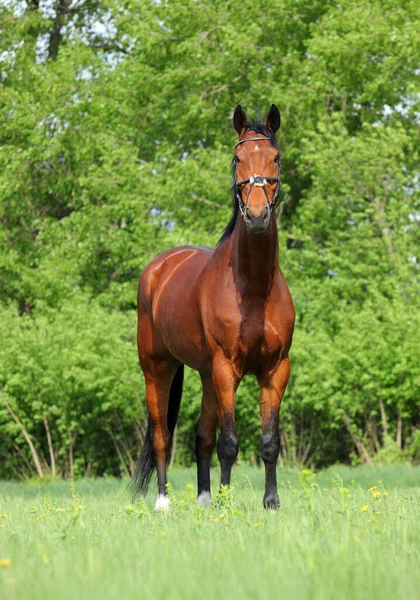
{"points": [[253, 139]]}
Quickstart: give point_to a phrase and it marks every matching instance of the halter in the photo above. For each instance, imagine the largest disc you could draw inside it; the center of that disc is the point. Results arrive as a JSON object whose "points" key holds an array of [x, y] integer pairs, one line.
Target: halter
{"points": [[255, 181]]}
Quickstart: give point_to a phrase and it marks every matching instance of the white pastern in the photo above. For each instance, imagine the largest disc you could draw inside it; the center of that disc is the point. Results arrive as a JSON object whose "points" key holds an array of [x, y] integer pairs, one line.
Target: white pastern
{"points": [[162, 503], [204, 499]]}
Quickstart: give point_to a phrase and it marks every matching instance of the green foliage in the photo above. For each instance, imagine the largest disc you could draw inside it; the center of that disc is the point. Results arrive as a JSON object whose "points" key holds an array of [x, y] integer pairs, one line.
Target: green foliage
{"points": [[115, 145]]}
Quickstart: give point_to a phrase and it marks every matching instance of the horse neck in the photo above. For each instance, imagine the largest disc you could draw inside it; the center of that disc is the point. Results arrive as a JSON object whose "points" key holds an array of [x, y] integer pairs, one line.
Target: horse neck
{"points": [[255, 257]]}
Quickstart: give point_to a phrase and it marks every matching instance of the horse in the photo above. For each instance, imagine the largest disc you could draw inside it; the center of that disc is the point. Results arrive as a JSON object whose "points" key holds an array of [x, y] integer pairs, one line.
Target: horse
{"points": [[224, 312]]}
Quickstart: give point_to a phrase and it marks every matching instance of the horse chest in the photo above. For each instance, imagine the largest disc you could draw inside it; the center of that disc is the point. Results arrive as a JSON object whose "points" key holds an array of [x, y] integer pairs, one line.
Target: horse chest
{"points": [[258, 347], [252, 340]]}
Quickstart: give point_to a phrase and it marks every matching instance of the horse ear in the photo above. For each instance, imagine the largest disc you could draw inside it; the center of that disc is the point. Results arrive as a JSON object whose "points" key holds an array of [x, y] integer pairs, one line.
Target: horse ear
{"points": [[240, 120], [273, 118]]}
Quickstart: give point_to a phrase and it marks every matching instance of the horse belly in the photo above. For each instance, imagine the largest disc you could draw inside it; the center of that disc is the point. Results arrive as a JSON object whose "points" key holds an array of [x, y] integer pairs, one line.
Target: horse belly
{"points": [[176, 316]]}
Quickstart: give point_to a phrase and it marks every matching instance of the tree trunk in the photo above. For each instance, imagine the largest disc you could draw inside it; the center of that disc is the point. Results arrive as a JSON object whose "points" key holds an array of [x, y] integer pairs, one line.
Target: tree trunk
{"points": [[50, 447], [399, 429], [62, 9], [383, 417], [71, 458]]}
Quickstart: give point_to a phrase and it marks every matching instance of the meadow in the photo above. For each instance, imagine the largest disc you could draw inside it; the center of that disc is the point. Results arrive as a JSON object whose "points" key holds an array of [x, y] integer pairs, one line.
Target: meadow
{"points": [[340, 533]]}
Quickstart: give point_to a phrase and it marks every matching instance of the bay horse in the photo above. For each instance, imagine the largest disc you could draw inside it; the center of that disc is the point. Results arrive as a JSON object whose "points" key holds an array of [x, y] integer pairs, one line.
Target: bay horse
{"points": [[224, 312]]}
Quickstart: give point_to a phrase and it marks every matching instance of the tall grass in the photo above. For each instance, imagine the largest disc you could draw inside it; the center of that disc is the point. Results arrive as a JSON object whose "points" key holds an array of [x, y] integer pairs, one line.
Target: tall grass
{"points": [[332, 538]]}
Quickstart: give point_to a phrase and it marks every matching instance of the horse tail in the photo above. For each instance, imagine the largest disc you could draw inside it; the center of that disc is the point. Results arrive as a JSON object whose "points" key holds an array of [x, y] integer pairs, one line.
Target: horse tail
{"points": [[146, 462], [175, 396]]}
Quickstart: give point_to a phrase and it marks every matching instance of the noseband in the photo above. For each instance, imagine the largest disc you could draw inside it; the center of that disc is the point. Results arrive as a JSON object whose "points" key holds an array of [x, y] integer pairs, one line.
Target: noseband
{"points": [[255, 181]]}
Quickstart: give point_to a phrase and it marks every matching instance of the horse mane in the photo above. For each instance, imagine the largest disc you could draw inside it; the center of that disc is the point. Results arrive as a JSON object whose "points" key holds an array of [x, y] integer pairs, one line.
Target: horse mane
{"points": [[257, 128]]}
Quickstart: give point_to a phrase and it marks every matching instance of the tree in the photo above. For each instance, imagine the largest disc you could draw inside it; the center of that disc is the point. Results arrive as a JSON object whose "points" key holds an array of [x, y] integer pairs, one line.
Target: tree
{"points": [[115, 144]]}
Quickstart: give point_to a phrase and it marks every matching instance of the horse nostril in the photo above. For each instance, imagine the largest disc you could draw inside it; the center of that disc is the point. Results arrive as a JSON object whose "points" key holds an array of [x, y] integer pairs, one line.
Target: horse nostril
{"points": [[248, 214], [264, 213]]}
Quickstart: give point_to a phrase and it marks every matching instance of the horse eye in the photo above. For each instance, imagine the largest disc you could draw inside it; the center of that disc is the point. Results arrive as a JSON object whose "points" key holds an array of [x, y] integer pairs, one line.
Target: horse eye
{"points": [[236, 160], [277, 159]]}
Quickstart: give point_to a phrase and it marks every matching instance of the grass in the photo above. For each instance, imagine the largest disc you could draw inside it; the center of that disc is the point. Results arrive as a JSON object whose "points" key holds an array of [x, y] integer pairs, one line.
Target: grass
{"points": [[332, 538]]}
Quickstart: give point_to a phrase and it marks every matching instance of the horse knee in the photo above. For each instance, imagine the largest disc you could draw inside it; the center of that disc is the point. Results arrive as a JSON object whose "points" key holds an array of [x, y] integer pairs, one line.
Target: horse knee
{"points": [[270, 446], [228, 447], [204, 444]]}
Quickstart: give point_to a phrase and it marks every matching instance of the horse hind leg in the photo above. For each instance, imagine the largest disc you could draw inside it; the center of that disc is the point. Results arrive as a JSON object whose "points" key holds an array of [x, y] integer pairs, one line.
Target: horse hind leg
{"points": [[163, 396]]}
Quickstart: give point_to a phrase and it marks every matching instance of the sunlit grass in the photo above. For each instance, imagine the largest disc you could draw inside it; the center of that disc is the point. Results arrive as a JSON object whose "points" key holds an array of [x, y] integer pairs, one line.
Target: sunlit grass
{"points": [[342, 533]]}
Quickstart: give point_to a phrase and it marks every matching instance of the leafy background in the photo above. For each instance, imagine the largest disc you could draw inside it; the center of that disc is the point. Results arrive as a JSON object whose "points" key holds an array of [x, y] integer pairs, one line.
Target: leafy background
{"points": [[115, 144]]}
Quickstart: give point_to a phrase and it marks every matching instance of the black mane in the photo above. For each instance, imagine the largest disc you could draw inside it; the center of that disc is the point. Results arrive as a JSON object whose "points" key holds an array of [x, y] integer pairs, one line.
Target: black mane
{"points": [[257, 128]]}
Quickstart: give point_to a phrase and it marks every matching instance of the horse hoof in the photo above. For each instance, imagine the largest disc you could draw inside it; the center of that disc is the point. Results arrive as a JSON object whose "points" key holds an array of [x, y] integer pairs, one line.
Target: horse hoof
{"points": [[204, 499], [162, 504], [271, 502]]}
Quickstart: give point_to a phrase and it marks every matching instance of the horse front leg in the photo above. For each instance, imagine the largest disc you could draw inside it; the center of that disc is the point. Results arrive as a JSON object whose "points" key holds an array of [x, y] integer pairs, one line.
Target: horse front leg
{"points": [[225, 385], [272, 389], [205, 440]]}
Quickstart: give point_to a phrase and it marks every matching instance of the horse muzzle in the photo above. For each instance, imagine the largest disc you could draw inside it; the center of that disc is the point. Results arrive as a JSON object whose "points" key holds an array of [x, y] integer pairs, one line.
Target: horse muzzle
{"points": [[257, 223]]}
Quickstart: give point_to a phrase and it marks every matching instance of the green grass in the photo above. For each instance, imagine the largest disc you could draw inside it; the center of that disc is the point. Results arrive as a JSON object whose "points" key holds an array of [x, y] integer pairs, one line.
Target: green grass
{"points": [[90, 542]]}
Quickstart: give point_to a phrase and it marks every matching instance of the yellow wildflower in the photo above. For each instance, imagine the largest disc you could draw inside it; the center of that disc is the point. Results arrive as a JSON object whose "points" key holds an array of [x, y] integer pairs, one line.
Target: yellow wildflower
{"points": [[189, 487], [80, 508], [39, 517], [377, 495], [3, 516], [182, 501], [222, 516], [372, 489], [385, 494], [259, 524], [5, 562], [365, 508], [378, 512]]}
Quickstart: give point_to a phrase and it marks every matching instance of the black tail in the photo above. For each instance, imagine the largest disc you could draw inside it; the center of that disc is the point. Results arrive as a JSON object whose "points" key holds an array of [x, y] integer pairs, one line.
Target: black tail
{"points": [[146, 463]]}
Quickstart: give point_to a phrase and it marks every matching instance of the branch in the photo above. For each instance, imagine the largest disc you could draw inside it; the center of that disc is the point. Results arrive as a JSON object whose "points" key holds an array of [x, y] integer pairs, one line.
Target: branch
{"points": [[21, 452], [107, 46], [205, 200], [118, 451], [361, 448], [216, 89], [27, 438]]}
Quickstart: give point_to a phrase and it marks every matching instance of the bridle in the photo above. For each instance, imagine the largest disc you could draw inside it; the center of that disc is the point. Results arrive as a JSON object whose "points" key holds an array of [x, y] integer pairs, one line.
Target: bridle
{"points": [[255, 181]]}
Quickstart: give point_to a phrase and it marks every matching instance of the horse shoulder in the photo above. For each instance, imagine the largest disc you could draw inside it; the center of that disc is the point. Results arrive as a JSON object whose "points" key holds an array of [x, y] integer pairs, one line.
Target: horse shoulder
{"points": [[162, 267], [280, 315], [219, 307]]}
